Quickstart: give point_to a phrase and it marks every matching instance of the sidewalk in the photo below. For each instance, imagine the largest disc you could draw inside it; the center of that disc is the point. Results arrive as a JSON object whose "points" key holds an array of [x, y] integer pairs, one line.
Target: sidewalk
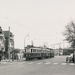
{"points": [[10, 61], [6, 60]]}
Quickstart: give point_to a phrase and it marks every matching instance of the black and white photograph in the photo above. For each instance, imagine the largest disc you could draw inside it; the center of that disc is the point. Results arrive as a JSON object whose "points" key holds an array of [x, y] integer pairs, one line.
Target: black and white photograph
{"points": [[37, 37]]}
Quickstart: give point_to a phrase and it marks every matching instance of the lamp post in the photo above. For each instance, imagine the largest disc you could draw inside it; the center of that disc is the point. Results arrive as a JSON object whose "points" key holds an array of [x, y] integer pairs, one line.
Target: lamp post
{"points": [[9, 45], [24, 40]]}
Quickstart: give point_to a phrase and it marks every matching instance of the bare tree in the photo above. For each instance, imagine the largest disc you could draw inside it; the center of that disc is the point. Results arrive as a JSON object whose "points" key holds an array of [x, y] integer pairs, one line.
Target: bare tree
{"points": [[70, 33]]}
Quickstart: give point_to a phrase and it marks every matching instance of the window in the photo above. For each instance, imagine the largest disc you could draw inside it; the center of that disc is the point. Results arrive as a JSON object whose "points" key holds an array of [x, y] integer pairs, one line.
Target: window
{"points": [[31, 50], [34, 50]]}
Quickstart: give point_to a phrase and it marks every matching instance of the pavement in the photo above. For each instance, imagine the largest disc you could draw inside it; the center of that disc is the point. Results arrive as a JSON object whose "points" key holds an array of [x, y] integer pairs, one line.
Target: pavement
{"points": [[9, 61]]}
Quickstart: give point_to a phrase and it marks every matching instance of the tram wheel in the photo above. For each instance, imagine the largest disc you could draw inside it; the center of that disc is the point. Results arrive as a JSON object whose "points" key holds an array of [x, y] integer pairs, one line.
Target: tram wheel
{"points": [[27, 58]]}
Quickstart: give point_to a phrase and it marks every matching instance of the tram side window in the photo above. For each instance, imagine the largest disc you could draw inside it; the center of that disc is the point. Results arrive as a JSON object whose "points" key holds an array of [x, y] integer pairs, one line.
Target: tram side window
{"points": [[34, 50], [39, 50], [31, 50]]}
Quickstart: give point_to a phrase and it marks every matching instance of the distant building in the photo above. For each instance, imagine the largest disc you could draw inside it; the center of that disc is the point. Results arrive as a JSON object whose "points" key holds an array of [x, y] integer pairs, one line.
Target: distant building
{"points": [[65, 51], [68, 51], [9, 42]]}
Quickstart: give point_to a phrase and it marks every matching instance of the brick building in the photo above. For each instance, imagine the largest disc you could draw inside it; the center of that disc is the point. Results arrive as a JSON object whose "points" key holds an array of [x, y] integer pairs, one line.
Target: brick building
{"points": [[2, 40], [9, 43]]}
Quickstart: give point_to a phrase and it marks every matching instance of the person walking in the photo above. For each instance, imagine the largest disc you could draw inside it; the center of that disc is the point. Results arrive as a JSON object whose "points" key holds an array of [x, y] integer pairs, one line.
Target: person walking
{"points": [[0, 56], [13, 56], [73, 57]]}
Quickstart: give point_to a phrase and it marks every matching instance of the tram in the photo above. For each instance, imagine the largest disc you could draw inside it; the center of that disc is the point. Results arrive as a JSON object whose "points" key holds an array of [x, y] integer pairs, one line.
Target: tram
{"points": [[38, 52]]}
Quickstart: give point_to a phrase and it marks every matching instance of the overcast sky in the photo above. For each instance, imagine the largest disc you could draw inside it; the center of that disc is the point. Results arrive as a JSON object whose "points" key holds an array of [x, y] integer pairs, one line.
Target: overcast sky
{"points": [[44, 20]]}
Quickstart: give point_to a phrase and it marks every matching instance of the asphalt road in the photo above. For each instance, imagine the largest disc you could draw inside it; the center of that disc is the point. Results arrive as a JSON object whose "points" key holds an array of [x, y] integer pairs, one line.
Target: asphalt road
{"points": [[50, 66]]}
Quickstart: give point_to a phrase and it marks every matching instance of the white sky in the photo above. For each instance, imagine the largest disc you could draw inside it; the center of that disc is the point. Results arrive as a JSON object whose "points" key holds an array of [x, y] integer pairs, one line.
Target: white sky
{"points": [[44, 20]]}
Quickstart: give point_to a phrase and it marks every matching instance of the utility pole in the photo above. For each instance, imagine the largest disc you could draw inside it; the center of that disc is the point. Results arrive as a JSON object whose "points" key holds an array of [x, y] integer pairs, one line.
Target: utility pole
{"points": [[74, 40], [9, 44], [59, 48]]}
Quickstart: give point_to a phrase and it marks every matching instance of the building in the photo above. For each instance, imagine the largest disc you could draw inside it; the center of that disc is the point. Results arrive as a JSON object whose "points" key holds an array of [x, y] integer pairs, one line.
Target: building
{"points": [[9, 43], [2, 40], [65, 51], [68, 51]]}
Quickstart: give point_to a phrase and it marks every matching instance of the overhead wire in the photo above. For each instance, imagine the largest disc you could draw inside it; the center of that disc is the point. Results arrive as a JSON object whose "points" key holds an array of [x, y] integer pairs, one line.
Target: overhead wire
{"points": [[25, 27]]}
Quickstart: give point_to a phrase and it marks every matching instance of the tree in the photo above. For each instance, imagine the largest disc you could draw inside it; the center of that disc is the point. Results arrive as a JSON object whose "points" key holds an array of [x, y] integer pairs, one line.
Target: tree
{"points": [[70, 33]]}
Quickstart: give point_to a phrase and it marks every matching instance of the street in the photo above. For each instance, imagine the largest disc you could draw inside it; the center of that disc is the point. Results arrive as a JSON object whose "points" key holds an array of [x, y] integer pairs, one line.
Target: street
{"points": [[50, 66]]}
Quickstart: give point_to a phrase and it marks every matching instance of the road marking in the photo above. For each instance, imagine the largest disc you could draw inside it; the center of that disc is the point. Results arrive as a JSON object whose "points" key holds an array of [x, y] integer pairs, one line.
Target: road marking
{"points": [[39, 63], [55, 63], [10, 63], [48, 63], [3, 62], [30, 63], [63, 64], [21, 63], [72, 64]]}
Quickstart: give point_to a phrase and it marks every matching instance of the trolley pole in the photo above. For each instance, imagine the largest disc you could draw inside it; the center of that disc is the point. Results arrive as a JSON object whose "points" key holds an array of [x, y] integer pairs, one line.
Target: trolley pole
{"points": [[9, 45], [24, 40]]}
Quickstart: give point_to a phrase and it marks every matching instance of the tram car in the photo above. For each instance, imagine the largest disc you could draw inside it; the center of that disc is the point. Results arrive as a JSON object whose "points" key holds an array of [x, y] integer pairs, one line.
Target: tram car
{"points": [[38, 52]]}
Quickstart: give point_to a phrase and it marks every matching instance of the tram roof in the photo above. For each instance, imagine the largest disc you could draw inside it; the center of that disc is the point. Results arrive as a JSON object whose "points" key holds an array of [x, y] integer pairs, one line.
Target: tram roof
{"points": [[31, 46]]}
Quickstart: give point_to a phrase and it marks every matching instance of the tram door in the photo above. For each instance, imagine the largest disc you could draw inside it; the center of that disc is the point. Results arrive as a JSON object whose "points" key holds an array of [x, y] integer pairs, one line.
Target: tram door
{"points": [[74, 56]]}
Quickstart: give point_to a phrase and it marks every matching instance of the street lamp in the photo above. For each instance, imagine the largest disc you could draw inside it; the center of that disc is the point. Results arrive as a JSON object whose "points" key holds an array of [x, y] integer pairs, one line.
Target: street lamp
{"points": [[24, 40]]}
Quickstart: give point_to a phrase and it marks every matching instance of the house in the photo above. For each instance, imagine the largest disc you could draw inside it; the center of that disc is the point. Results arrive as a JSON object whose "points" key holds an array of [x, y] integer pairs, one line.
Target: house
{"points": [[9, 42], [2, 40]]}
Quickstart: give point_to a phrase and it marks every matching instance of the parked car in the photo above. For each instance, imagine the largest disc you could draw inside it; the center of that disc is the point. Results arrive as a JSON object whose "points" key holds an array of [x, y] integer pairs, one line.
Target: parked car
{"points": [[70, 58]]}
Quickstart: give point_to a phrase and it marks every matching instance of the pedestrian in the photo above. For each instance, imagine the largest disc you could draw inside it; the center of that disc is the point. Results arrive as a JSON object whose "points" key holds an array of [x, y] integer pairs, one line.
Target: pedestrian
{"points": [[18, 56], [0, 56], [13, 56], [73, 57]]}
